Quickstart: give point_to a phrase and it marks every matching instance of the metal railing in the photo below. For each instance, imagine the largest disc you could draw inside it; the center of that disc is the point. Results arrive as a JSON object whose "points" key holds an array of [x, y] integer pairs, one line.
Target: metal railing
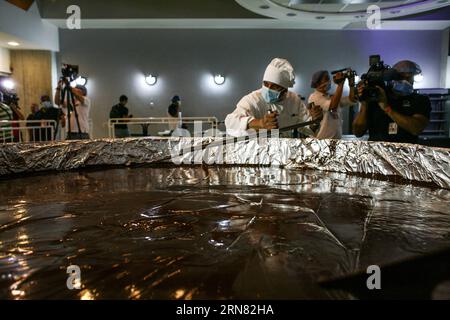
{"points": [[27, 131], [141, 126]]}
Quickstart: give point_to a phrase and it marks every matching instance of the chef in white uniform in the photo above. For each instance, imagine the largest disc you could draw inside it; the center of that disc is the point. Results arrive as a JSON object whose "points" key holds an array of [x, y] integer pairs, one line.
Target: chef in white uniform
{"points": [[273, 106]]}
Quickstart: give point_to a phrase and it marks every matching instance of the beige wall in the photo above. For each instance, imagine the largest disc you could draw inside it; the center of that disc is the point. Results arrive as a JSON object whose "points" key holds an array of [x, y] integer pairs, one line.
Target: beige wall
{"points": [[5, 61], [32, 72]]}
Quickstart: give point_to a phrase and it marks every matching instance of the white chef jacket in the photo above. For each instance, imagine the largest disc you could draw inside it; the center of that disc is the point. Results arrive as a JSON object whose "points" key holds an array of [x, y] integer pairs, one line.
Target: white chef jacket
{"points": [[331, 125], [291, 111]]}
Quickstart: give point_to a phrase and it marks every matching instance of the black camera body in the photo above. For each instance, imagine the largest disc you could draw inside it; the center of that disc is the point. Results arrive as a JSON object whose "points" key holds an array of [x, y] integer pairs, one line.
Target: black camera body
{"points": [[347, 72], [379, 75], [70, 72], [10, 99]]}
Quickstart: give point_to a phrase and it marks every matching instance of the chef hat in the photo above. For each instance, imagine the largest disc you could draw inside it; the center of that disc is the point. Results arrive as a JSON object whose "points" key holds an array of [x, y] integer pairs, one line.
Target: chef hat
{"points": [[406, 66], [280, 72], [317, 77]]}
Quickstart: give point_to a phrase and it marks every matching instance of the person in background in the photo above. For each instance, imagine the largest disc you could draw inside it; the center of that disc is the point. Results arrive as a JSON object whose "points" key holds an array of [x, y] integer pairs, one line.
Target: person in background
{"points": [[50, 113], [331, 125], [273, 106], [82, 106], [120, 111], [34, 112], [17, 116], [33, 116], [398, 114], [6, 114], [174, 112]]}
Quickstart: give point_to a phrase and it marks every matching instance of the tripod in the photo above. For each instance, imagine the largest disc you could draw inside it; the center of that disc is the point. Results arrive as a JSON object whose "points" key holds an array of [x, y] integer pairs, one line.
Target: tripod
{"points": [[68, 97]]}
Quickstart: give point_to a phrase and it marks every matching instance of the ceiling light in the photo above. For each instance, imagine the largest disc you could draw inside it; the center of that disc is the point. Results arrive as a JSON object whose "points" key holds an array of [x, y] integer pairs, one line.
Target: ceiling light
{"points": [[150, 80], [13, 44], [219, 79]]}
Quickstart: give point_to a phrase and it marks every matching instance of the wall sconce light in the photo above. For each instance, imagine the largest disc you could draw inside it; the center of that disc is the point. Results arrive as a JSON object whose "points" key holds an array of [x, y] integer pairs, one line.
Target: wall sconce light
{"points": [[418, 78], [219, 79], [151, 80], [81, 81], [8, 84]]}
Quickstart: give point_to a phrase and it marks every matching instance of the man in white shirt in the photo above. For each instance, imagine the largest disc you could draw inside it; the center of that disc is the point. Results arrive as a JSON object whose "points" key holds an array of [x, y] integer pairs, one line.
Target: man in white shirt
{"points": [[331, 125], [82, 107], [273, 106]]}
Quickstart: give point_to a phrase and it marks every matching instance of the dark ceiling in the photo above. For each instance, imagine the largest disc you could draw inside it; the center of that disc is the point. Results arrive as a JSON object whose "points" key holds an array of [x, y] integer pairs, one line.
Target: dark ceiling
{"points": [[147, 9]]}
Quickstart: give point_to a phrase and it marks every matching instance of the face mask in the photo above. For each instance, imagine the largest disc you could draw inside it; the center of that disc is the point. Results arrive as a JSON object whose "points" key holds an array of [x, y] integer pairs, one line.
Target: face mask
{"points": [[47, 104], [402, 87], [269, 95]]}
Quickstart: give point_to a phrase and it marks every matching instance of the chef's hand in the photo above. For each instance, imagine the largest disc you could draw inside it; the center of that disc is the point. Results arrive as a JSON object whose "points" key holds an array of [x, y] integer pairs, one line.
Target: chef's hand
{"points": [[269, 122]]}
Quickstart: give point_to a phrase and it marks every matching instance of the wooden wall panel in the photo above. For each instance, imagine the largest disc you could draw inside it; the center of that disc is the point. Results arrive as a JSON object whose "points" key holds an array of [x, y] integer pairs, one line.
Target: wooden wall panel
{"points": [[32, 72]]}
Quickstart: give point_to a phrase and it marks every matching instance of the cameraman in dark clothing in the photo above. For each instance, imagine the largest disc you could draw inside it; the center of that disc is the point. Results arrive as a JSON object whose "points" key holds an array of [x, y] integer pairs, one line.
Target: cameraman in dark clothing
{"points": [[120, 111], [50, 113], [400, 114]]}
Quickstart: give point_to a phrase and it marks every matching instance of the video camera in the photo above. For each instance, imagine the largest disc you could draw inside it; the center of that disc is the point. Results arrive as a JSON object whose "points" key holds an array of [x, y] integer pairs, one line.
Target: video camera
{"points": [[379, 75], [347, 72], [70, 72], [10, 99]]}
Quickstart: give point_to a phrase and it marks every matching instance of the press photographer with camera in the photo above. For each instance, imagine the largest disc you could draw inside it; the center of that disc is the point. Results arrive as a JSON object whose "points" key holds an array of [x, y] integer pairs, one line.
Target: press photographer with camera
{"points": [[6, 114], [74, 101], [10, 99], [331, 125], [390, 109]]}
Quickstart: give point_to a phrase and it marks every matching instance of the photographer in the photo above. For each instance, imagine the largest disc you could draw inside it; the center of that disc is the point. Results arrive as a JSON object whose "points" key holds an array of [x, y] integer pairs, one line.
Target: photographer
{"points": [[120, 111], [397, 114], [331, 125], [81, 108], [6, 114]]}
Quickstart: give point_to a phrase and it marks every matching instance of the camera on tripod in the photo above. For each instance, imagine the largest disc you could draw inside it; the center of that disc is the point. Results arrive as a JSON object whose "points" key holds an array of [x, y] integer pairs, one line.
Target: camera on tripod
{"points": [[379, 75], [70, 72]]}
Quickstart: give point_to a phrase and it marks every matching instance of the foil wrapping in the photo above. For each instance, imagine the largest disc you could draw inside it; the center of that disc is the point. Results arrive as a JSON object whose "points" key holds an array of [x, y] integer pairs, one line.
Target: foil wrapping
{"points": [[410, 162]]}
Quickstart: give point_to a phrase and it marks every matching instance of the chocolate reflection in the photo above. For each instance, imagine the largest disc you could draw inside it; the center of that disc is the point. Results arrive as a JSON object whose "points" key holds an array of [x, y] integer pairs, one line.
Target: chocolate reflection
{"points": [[207, 232]]}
